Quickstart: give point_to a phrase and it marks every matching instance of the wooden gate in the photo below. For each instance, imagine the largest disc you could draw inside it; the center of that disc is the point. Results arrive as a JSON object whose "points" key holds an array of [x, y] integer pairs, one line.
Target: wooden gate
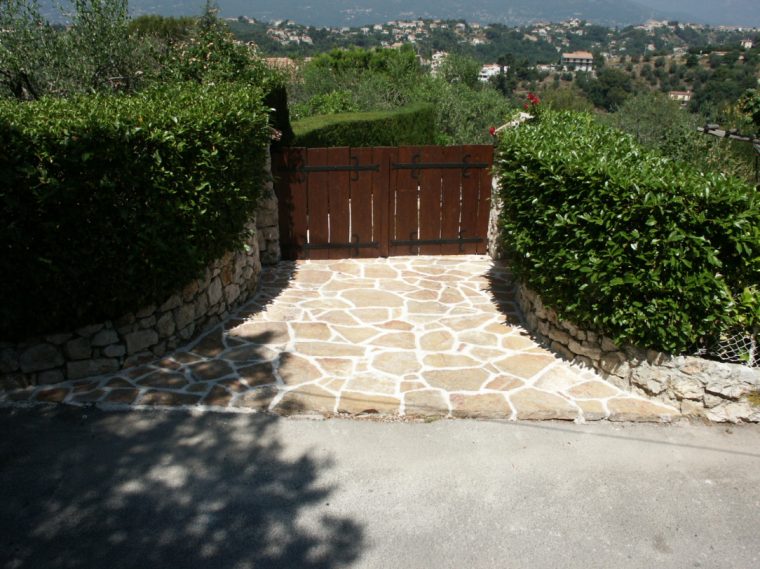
{"points": [[375, 202]]}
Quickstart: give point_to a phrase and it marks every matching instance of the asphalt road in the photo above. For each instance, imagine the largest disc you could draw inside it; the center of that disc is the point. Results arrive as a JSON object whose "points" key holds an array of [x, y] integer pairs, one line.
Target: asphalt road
{"points": [[84, 488]]}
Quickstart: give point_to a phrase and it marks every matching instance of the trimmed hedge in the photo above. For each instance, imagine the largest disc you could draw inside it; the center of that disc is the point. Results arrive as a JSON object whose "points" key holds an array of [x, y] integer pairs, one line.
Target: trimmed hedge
{"points": [[110, 203], [624, 241], [414, 124]]}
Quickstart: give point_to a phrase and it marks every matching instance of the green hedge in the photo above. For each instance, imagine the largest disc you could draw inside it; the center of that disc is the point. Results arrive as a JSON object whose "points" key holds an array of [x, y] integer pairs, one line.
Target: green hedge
{"points": [[621, 240], [109, 203], [410, 125]]}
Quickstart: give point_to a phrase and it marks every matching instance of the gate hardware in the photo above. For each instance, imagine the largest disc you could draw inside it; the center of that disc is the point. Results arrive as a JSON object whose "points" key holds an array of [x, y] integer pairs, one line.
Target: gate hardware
{"points": [[420, 242], [354, 168], [415, 165]]}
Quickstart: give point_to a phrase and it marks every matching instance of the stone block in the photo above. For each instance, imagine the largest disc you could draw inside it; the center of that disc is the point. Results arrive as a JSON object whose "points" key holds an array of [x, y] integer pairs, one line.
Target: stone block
{"points": [[105, 337], [40, 358], [89, 368], [9, 361], [651, 379], [184, 315], [231, 294], [147, 323], [727, 387], [608, 345], [146, 311], [58, 339], [559, 335], [165, 325], [172, 303], [188, 293], [87, 331], [115, 351], [585, 350], [50, 376], [687, 388], [214, 292], [78, 349], [141, 340]]}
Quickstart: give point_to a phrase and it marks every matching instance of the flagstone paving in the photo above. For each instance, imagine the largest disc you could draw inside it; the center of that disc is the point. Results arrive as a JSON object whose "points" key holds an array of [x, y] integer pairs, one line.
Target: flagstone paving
{"points": [[407, 336]]}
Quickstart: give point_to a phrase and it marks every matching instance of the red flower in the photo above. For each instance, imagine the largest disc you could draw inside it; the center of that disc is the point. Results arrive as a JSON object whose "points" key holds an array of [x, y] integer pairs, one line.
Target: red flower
{"points": [[533, 99], [526, 106], [492, 131]]}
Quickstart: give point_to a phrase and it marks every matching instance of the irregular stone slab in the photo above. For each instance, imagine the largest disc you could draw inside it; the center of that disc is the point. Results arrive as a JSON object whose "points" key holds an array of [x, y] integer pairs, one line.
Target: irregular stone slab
{"points": [[450, 297], [118, 382], [372, 383], [593, 390], [312, 277], [396, 325], [438, 341], [295, 370], [558, 378], [238, 386], [400, 340], [477, 338], [326, 303], [487, 406], [311, 331], [422, 295], [425, 403], [592, 410], [524, 365], [504, 383], [436, 308], [168, 398], [122, 396], [210, 370], [375, 271], [456, 380], [360, 403], [209, 346], [411, 385], [450, 360], [329, 349], [163, 378], [366, 298], [639, 410], [338, 317], [462, 323], [398, 364], [51, 395], [370, 315], [534, 405], [305, 399], [88, 397], [263, 332], [356, 335], [248, 353], [258, 399], [336, 366], [217, 397]]}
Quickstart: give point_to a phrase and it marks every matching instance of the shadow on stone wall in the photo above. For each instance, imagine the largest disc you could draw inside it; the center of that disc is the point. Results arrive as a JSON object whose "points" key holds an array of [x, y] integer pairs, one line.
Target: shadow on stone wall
{"points": [[84, 488]]}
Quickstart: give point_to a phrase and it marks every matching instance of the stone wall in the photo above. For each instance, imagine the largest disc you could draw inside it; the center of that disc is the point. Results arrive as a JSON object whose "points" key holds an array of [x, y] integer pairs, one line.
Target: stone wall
{"points": [[698, 387], [151, 331]]}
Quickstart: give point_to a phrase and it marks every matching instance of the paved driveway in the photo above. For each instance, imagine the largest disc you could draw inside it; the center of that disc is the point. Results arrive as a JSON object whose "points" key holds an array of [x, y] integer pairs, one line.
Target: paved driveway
{"points": [[408, 336]]}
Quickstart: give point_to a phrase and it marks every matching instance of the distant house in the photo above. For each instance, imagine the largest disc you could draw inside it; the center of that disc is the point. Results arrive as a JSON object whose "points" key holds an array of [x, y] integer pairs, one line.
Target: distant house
{"points": [[490, 70], [438, 58], [747, 44], [682, 97], [578, 61]]}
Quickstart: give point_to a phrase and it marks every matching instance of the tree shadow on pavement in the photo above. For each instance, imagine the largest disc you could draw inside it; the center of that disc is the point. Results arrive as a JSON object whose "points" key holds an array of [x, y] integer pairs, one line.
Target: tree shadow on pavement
{"points": [[86, 488]]}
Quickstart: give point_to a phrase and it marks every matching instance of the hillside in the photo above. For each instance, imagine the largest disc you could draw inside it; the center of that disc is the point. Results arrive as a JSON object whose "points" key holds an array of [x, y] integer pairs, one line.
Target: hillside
{"points": [[360, 12]]}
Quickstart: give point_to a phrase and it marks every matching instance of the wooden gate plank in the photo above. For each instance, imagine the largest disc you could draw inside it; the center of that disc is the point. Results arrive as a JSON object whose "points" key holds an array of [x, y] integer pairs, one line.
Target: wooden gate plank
{"points": [[382, 212], [404, 209], [339, 205], [290, 187], [485, 154], [470, 200], [361, 203], [452, 182], [430, 200], [319, 200]]}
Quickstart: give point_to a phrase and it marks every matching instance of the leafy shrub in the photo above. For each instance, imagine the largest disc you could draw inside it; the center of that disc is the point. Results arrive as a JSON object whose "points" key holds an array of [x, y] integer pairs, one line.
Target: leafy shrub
{"points": [[108, 203], [411, 125], [619, 239]]}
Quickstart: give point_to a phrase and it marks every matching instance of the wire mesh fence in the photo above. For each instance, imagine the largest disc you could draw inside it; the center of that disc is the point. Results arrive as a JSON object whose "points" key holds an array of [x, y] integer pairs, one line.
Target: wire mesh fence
{"points": [[736, 346]]}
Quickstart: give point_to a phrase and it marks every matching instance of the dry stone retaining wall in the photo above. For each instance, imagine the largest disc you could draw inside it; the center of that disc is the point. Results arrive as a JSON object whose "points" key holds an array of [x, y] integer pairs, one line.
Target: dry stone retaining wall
{"points": [[152, 331], [698, 387]]}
